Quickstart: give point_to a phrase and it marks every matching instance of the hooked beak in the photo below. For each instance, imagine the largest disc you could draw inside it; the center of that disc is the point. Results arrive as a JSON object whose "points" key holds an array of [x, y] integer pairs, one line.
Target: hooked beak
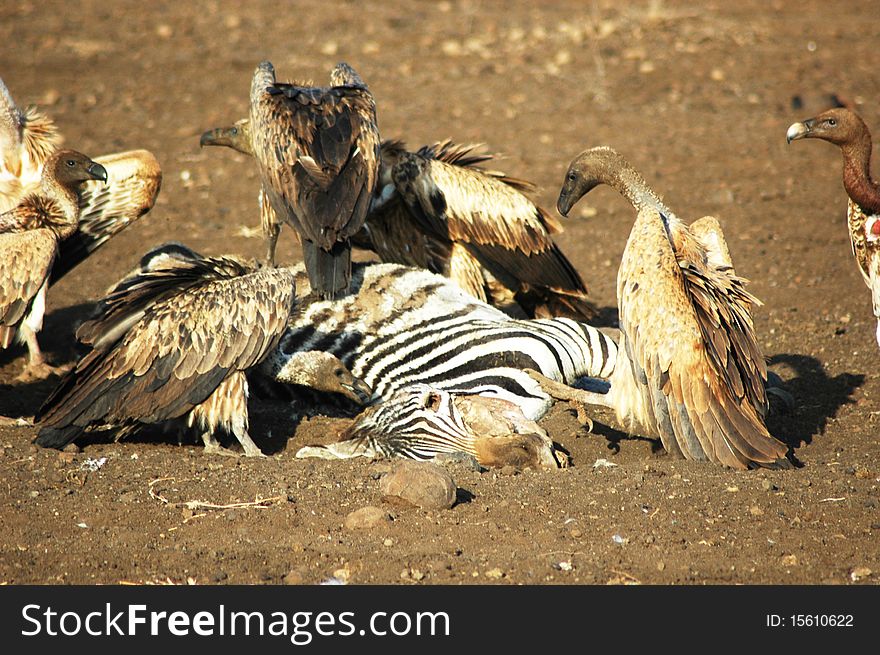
{"points": [[215, 137], [358, 391], [97, 172], [799, 130], [564, 203]]}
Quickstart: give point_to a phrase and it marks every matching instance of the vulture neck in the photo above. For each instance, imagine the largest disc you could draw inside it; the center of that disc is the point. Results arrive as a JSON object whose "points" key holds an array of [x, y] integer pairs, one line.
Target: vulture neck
{"points": [[857, 174], [629, 183], [67, 201]]}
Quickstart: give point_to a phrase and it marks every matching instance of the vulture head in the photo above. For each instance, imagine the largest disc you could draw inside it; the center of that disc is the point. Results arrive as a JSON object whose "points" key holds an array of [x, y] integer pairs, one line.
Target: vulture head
{"points": [[70, 168], [839, 126], [588, 170], [323, 371], [237, 137]]}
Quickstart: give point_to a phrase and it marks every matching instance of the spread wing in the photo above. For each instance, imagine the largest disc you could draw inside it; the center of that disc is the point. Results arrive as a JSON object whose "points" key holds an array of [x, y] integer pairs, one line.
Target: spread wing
{"points": [[133, 182], [25, 262], [176, 352], [488, 213], [317, 150], [27, 138], [689, 338]]}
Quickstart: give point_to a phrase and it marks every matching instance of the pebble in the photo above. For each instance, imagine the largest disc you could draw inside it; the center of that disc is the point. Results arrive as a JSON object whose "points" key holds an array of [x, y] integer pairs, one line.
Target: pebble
{"points": [[366, 518], [766, 485], [860, 573], [754, 510], [509, 470], [422, 484], [495, 574], [462, 460], [294, 577], [71, 448], [789, 560], [66, 457]]}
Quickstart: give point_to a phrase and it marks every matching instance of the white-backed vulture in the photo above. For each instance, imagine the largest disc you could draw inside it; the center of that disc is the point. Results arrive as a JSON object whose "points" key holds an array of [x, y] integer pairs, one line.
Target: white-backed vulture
{"points": [[28, 137], [689, 368], [845, 129], [317, 151], [31, 235], [170, 342], [438, 209]]}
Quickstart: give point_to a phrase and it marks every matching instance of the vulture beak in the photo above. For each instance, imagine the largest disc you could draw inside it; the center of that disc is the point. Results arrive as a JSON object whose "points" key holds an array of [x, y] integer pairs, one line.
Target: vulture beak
{"points": [[564, 203], [97, 172], [358, 391], [215, 137], [799, 130]]}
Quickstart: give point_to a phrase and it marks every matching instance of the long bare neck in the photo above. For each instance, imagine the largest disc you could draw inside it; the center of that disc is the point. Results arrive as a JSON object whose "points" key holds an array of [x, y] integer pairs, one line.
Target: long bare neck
{"points": [[629, 182], [857, 175]]}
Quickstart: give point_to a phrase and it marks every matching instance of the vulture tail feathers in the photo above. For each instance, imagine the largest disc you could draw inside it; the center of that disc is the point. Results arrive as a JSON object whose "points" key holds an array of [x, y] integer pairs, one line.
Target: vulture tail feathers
{"points": [[329, 270]]}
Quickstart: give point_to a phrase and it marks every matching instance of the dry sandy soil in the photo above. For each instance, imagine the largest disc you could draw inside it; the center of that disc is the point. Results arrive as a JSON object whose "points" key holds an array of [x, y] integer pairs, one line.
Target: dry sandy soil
{"points": [[698, 96]]}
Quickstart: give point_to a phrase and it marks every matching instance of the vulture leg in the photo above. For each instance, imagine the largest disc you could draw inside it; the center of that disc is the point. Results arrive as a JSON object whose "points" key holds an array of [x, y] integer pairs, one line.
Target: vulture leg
{"points": [[577, 398], [250, 448], [37, 367], [272, 231]]}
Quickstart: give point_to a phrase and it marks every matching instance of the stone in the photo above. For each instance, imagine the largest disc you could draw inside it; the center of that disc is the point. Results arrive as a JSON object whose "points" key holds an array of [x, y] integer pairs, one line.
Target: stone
{"points": [[422, 484], [367, 518]]}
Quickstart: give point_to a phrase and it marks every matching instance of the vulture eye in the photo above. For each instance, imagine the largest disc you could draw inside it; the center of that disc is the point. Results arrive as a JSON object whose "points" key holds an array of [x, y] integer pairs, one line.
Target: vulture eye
{"points": [[338, 372], [832, 122], [234, 131], [71, 163]]}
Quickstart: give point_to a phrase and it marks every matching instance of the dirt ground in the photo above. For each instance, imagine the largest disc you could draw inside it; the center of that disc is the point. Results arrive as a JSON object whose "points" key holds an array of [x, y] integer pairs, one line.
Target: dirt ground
{"points": [[698, 96]]}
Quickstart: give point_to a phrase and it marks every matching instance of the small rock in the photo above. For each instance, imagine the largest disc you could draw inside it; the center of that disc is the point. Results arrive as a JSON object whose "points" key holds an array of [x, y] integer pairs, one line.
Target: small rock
{"points": [[388, 543], [458, 459], [860, 573], [71, 448], [789, 560], [661, 566], [766, 485], [164, 31], [575, 533], [366, 518], [509, 470], [495, 574], [422, 484], [754, 510], [619, 540], [294, 577], [220, 576], [863, 474], [415, 574], [66, 457], [34, 494]]}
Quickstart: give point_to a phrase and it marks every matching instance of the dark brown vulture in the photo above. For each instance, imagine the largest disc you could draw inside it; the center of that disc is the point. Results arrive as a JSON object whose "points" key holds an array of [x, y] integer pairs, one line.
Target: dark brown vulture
{"points": [[31, 235], [317, 150], [28, 138], [437, 209], [848, 131], [170, 342], [689, 367]]}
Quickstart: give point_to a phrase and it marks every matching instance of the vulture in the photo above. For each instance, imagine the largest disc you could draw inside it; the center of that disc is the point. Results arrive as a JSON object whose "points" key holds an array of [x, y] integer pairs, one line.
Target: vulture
{"points": [[27, 139], [31, 236], [172, 340], [317, 151], [438, 209], [689, 368], [848, 131], [421, 422], [489, 238]]}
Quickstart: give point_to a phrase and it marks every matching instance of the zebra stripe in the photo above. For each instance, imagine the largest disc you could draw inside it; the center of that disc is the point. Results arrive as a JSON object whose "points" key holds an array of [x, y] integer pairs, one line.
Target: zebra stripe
{"points": [[402, 326]]}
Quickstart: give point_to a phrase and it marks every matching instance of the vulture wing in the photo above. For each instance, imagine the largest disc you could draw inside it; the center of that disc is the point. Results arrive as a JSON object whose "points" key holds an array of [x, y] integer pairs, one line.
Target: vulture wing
{"points": [[133, 182]]}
